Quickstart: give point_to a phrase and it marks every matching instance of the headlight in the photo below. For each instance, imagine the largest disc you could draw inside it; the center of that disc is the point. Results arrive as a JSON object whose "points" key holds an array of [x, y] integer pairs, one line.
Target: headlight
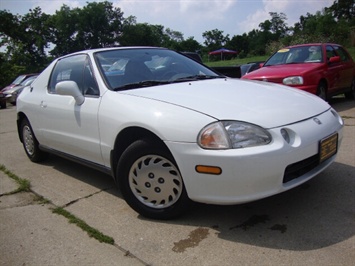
{"points": [[293, 80], [232, 135]]}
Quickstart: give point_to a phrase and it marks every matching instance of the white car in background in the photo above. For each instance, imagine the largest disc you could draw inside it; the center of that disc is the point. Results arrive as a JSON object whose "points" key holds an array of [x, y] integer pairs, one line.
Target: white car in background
{"points": [[170, 130]]}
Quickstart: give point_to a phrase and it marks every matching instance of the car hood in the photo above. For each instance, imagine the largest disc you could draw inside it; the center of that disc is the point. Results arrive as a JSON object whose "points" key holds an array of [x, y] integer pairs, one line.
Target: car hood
{"points": [[281, 71], [13, 89], [265, 104]]}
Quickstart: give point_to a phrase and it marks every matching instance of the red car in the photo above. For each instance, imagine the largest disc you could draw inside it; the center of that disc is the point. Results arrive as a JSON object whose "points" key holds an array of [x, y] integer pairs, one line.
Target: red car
{"points": [[318, 68]]}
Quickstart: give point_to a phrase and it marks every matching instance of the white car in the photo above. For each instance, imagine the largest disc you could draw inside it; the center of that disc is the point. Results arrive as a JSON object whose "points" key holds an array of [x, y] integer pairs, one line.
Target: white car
{"points": [[170, 130]]}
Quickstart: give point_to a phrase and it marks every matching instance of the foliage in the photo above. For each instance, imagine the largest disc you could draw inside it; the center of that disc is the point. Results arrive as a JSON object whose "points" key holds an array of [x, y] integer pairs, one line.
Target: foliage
{"points": [[343, 9], [26, 38], [96, 25], [214, 39], [23, 184]]}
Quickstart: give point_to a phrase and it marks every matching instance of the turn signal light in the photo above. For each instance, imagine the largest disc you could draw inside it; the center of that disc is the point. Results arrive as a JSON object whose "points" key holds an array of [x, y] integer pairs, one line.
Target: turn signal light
{"points": [[205, 169]]}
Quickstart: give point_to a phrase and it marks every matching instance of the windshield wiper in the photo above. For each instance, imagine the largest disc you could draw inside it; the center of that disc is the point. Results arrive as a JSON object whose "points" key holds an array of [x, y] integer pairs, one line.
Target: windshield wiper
{"points": [[149, 83], [141, 84], [195, 77]]}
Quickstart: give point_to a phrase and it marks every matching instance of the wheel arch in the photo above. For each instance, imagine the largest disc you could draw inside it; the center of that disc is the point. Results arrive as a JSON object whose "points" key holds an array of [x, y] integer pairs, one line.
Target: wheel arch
{"points": [[20, 117], [126, 137], [325, 82]]}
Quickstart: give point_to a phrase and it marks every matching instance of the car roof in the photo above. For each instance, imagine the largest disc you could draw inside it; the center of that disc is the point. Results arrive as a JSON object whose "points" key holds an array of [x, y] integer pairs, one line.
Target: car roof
{"points": [[311, 44], [92, 51]]}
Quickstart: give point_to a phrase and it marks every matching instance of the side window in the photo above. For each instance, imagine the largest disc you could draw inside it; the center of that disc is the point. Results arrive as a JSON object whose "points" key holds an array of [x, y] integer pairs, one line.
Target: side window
{"points": [[69, 68], [341, 52], [330, 52], [76, 68]]}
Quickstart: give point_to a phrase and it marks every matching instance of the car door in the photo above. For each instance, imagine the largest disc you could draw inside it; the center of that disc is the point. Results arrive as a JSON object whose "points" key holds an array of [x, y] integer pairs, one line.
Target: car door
{"points": [[347, 67], [68, 127], [333, 74]]}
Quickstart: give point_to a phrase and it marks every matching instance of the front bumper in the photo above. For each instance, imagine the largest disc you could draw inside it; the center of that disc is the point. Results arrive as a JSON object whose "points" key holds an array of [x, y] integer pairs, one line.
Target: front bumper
{"points": [[253, 173], [308, 88]]}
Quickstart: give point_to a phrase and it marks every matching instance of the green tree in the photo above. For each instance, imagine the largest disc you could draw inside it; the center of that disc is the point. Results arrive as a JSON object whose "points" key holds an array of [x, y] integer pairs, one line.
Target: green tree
{"points": [[278, 24], [64, 29], [25, 38], [215, 39], [95, 25], [100, 24], [343, 9], [142, 34], [240, 43], [190, 45], [321, 27]]}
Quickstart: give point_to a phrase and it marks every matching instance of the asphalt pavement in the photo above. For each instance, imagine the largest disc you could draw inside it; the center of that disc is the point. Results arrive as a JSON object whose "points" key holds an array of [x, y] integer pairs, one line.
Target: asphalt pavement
{"points": [[310, 225]]}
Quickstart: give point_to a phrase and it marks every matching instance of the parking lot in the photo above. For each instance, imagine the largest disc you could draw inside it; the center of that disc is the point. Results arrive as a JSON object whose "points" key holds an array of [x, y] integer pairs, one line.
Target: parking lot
{"points": [[311, 225]]}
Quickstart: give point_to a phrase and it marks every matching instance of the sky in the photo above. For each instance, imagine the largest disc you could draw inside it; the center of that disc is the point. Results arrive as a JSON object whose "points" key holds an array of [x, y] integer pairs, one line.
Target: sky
{"points": [[190, 17]]}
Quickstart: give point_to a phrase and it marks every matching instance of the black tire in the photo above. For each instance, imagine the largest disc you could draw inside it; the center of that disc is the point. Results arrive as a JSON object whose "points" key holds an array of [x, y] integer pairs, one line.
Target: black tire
{"points": [[322, 91], [351, 93], [3, 105], [150, 181], [30, 143]]}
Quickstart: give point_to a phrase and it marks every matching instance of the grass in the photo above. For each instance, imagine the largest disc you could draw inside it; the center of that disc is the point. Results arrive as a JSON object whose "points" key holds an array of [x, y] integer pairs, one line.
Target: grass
{"points": [[235, 62], [92, 232], [24, 184]]}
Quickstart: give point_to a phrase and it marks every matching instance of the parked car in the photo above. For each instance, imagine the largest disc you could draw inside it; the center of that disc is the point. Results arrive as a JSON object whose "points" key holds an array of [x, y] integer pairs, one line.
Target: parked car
{"points": [[2, 100], [170, 130], [19, 80], [193, 55], [323, 69], [228, 71], [250, 67], [4, 96], [12, 93]]}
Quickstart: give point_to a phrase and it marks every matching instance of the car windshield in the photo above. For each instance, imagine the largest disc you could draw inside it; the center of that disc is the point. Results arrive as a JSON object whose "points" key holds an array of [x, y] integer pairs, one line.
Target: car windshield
{"points": [[296, 55], [144, 67], [19, 79], [28, 81]]}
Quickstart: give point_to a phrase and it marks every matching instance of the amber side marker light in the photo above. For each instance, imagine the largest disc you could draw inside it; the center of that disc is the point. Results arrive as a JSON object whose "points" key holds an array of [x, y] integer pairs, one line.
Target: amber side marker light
{"points": [[212, 170]]}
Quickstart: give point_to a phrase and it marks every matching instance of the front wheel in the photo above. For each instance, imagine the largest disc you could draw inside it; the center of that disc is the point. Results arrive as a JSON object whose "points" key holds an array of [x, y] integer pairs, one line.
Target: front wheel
{"points": [[351, 93], [30, 142], [150, 181], [322, 91]]}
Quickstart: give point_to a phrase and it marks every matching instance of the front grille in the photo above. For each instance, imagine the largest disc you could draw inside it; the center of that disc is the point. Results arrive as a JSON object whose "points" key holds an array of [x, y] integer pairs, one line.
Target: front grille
{"points": [[272, 80], [300, 168]]}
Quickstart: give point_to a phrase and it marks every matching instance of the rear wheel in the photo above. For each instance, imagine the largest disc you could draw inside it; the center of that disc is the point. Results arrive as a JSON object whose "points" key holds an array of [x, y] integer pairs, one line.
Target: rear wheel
{"points": [[30, 142], [151, 182], [322, 91], [351, 93]]}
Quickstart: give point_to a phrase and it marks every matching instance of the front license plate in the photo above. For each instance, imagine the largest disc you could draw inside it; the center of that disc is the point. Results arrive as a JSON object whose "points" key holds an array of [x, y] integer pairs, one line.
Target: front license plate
{"points": [[328, 147]]}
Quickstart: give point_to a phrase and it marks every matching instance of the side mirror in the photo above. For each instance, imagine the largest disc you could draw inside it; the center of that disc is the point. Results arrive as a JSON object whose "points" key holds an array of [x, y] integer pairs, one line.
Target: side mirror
{"points": [[70, 88], [334, 59]]}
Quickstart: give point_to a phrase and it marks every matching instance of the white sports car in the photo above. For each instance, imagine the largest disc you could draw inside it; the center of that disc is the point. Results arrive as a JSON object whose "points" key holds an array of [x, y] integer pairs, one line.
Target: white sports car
{"points": [[170, 130]]}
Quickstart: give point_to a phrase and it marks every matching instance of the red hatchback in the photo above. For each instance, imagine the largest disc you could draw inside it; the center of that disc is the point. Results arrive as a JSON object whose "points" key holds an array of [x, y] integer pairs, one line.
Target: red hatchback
{"points": [[319, 68]]}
